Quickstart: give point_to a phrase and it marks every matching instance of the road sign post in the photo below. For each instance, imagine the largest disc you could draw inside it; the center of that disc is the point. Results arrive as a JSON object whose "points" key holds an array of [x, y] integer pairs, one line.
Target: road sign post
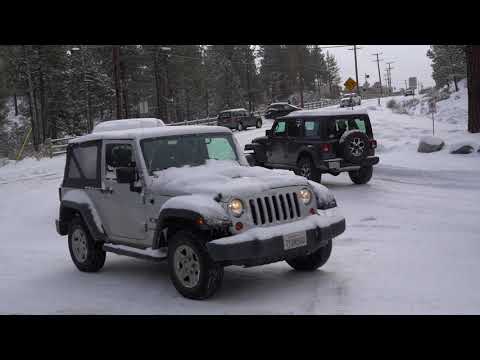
{"points": [[432, 105]]}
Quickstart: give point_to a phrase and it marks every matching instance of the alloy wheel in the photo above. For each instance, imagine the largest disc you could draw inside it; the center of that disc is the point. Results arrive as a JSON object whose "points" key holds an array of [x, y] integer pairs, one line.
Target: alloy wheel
{"points": [[187, 266]]}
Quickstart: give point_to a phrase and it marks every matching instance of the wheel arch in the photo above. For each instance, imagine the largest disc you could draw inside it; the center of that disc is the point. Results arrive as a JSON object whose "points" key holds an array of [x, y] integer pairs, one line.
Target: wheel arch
{"points": [[70, 210]]}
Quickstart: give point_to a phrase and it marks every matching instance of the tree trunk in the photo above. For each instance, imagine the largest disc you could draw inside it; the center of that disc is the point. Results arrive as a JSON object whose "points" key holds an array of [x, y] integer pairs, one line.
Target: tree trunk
{"points": [[15, 103], [473, 75], [116, 79]]}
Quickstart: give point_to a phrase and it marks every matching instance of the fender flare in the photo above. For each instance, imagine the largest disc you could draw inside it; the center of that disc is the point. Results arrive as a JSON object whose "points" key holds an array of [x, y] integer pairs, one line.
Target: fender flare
{"points": [[258, 150], [180, 216], [86, 214]]}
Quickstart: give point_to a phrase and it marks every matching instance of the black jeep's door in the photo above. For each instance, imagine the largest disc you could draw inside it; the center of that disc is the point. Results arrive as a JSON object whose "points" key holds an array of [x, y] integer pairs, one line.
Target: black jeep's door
{"points": [[277, 143], [294, 141]]}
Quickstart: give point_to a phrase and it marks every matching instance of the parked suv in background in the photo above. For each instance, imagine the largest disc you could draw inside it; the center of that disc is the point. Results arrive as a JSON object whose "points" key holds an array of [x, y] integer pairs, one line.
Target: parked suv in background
{"points": [[187, 195], [279, 109], [313, 142], [409, 92], [238, 119], [349, 100]]}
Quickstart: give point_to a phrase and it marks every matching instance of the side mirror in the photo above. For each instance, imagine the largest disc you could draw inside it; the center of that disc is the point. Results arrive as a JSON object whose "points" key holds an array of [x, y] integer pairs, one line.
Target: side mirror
{"points": [[268, 132], [126, 175]]}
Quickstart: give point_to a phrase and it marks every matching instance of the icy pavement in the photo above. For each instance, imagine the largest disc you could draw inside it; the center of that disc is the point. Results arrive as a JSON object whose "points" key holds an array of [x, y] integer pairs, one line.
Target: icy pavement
{"points": [[411, 245]]}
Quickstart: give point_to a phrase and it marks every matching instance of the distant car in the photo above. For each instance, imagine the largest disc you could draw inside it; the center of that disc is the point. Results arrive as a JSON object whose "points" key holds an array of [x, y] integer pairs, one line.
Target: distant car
{"points": [[238, 119], [409, 92], [350, 100], [279, 109]]}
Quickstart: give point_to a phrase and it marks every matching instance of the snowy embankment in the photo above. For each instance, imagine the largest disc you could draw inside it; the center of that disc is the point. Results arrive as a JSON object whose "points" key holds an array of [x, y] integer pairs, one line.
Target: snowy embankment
{"points": [[411, 244]]}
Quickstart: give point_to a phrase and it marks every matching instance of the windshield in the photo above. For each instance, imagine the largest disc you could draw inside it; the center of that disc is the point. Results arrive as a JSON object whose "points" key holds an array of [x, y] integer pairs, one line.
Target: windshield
{"points": [[193, 150]]}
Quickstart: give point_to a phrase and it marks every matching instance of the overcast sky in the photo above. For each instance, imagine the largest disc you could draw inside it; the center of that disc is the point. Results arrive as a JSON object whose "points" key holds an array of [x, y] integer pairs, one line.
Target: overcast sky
{"points": [[409, 60]]}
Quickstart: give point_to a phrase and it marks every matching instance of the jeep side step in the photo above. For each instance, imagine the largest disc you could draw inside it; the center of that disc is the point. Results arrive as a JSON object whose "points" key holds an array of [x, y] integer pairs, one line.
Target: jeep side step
{"points": [[148, 254]]}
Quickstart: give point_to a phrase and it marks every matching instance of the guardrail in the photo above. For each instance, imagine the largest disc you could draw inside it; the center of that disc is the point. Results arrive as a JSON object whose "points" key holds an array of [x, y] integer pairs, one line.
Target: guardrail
{"points": [[59, 146]]}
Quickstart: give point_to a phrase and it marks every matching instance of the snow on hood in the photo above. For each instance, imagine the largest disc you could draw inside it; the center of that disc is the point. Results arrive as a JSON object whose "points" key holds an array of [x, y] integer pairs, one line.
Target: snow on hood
{"points": [[225, 177]]}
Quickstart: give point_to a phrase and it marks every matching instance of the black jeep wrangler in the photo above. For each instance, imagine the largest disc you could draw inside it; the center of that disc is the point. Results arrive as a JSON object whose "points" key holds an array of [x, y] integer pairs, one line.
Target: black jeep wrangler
{"points": [[313, 142], [238, 119]]}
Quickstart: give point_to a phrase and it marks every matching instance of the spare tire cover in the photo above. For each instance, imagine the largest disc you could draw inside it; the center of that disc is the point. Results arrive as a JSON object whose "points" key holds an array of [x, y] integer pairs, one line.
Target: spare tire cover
{"points": [[354, 146]]}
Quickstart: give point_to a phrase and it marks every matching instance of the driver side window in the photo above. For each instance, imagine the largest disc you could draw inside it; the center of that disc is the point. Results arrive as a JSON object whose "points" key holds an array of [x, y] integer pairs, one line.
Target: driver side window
{"points": [[280, 128], [117, 155]]}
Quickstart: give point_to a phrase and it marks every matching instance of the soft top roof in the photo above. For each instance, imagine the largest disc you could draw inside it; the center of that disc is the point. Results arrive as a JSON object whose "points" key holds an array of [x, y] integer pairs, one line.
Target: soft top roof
{"points": [[325, 112], [125, 124], [144, 133]]}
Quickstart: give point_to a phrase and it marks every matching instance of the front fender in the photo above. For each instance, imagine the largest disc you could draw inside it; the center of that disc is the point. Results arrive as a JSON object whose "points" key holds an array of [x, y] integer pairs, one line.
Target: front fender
{"points": [[202, 212]]}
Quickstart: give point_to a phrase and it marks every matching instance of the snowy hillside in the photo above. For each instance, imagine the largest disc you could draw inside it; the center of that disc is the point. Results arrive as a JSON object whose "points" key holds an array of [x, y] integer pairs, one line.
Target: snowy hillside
{"points": [[411, 244]]}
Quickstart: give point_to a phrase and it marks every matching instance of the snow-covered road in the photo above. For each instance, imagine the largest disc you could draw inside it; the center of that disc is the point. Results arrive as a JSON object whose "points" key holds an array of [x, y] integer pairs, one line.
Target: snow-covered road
{"points": [[412, 244]]}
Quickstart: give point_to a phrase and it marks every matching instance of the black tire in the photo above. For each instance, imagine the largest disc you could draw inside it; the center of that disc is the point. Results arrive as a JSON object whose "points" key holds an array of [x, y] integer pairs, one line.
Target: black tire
{"points": [[251, 159], [362, 175], [259, 124], [354, 147], [87, 254], [307, 169], [210, 273], [240, 126], [313, 261]]}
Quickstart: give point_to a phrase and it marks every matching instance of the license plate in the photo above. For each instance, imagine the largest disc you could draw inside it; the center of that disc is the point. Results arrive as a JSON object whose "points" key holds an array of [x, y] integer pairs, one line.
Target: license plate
{"points": [[294, 240], [334, 165]]}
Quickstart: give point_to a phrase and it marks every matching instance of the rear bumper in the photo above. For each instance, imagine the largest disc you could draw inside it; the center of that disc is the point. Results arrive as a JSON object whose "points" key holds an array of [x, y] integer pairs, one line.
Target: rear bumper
{"points": [[254, 248], [326, 165]]}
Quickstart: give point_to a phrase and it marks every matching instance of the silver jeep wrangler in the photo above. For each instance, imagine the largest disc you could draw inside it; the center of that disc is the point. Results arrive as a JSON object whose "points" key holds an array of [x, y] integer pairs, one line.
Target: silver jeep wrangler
{"points": [[187, 195]]}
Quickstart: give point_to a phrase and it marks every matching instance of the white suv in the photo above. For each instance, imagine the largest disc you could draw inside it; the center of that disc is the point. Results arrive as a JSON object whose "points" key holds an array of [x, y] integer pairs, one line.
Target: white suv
{"points": [[350, 100], [187, 195]]}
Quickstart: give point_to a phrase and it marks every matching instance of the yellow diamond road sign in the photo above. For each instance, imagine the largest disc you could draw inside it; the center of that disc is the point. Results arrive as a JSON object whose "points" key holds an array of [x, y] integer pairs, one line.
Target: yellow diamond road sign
{"points": [[350, 84]]}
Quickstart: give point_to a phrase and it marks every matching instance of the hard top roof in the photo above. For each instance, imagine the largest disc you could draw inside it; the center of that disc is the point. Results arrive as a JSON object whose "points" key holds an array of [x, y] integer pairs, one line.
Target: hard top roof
{"points": [[238, 109], [153, 132], [325, 112]]}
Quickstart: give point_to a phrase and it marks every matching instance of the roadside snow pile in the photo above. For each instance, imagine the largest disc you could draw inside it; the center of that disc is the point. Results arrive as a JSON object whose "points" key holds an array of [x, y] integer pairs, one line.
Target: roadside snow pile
{"points": [[3, 161], [464, 147], [430, 144], [31, 169]]}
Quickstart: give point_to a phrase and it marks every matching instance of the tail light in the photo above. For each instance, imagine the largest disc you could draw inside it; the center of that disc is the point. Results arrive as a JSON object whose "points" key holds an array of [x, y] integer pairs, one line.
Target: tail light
{"points": [[326, 147], [373, 144]]}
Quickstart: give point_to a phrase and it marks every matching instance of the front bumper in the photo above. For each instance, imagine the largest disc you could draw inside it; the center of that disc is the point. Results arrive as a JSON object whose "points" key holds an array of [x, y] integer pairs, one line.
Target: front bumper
{"points": [[259, 246]]}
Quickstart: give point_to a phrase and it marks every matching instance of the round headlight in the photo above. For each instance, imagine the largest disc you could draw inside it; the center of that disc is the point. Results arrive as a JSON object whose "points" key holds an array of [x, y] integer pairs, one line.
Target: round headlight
{"points": [[306, 196], [236, 207]]}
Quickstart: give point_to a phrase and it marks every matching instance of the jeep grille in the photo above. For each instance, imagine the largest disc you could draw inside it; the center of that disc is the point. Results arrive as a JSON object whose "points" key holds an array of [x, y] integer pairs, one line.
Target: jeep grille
{"points": [[277, 208]]}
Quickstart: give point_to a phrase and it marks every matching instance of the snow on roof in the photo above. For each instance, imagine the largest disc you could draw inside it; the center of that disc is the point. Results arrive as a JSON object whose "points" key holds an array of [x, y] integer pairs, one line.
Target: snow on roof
{"points": [[152, 132], [326, 112], [125, 124], [238, 109]]}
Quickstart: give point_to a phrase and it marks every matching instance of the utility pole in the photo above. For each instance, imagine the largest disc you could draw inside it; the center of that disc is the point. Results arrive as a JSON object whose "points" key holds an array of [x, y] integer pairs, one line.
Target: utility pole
{"points": [[355, 48], [405, 84], [247, 63], [390, 76], [379, 75]]}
